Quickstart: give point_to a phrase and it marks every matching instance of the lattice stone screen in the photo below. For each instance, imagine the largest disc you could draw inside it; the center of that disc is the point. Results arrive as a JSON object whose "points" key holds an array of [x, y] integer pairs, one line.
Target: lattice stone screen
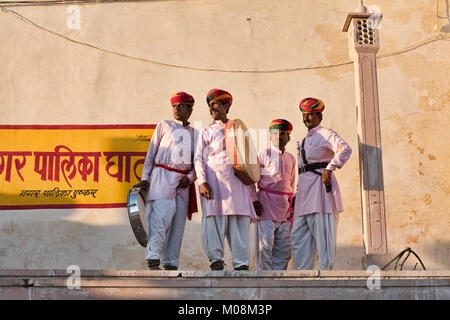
{"points": [[366, 31]]}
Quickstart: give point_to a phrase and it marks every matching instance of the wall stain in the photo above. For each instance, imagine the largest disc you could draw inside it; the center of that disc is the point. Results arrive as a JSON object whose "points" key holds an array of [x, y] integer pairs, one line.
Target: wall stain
{"points": [[435, 94], [335, 50], [426, 199], [412, 239], [10, 227]]}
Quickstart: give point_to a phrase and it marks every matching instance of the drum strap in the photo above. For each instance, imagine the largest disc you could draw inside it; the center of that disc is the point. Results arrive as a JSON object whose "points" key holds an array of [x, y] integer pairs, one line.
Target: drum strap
{"points": [[192, 205]]}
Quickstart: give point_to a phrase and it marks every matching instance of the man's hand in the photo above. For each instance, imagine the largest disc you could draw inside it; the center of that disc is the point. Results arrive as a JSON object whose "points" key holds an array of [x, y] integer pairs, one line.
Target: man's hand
{"points": [[241, 175], [326, 176], [144, 185], [258, 207], [205, 190], [184, 182]]}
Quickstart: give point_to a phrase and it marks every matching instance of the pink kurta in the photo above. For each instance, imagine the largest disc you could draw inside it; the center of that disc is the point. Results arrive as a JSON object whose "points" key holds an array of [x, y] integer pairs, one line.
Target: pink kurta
{"points": [[278, 174], [321, 145], [212, 165], [171, 145]]}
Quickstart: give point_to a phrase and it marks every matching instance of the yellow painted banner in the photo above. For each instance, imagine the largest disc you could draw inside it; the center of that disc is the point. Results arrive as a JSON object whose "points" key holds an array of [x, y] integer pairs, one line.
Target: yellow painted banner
{"points": [[70, 166]]}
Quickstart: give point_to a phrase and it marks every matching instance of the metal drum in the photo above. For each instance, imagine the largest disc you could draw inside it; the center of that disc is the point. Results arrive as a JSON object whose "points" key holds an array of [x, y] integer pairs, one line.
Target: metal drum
{"points": [[136, 214], [242, 152]]}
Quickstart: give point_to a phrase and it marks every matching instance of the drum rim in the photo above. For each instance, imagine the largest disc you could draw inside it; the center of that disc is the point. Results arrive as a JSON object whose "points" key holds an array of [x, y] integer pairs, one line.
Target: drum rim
{"points": [[138, 192]]}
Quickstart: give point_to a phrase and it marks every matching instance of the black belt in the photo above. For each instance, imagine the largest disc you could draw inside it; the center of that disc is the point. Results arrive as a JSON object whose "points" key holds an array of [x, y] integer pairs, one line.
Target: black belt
{"points": [[312, 167]]}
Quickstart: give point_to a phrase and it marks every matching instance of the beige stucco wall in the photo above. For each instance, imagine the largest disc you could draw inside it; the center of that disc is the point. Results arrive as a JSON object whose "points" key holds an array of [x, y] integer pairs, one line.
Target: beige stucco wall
{"points": [[47, 79]]}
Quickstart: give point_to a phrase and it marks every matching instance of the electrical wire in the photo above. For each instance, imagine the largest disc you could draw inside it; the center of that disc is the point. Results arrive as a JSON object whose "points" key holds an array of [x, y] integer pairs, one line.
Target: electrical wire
{"points": [[400, 255], [123, 55], [63, 2]]}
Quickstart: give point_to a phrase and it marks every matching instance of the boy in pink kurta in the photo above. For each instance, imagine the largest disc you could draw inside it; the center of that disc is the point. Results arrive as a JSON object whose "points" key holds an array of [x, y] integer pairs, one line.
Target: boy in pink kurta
{"points": [[318, 199], [225, 201], [274, 199]]}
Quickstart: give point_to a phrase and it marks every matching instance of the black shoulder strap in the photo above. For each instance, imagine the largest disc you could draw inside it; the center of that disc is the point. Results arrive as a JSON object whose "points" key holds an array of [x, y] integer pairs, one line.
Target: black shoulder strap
{"points": [[302, 150]]}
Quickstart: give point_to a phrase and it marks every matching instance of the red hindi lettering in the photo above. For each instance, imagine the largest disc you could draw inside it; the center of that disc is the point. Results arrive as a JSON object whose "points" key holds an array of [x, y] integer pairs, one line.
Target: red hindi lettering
{"points": [[119, 174], [19, 164], [49, 164]]}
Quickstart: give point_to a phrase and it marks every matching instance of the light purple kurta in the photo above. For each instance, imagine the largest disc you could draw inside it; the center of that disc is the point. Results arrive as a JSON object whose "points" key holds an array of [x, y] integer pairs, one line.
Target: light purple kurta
{"points": [[321, 145], [277, 173], [171, 145], [212, 165]]}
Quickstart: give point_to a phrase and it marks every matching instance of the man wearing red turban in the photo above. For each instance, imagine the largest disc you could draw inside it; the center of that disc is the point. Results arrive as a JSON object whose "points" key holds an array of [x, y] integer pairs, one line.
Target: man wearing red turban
{"points": [[318, 199], [167, 174]]}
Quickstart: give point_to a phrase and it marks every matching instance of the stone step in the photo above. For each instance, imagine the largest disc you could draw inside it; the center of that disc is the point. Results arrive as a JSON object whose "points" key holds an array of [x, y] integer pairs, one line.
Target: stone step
{"points": [[224, 285]]}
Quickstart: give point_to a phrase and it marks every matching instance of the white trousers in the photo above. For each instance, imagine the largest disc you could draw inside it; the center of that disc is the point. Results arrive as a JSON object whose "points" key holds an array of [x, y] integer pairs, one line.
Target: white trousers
{"points": [[311, 235], [273, 245], [165, 220], [236, 228]]}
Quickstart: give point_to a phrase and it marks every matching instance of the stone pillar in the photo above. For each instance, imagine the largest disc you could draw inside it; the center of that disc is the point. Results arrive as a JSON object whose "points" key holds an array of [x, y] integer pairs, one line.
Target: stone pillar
{"points": [[363, 45]]}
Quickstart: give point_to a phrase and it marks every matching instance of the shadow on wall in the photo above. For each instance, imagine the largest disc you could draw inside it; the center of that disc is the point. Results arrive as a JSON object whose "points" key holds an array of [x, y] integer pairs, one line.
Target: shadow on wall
{"points": [[89, 238], [446, 28], [103, 239], [434, 256], [439, 257], [57, 238]]}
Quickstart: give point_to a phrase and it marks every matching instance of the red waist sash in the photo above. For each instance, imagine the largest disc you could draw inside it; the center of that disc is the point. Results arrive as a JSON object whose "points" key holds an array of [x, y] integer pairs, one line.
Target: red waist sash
{"points": [[291, 198], [192, 205], [291, 195]]}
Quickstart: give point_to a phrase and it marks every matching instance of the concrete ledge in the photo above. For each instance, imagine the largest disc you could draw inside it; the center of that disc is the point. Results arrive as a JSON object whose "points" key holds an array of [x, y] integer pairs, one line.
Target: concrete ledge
{"points": [[224, 285]]}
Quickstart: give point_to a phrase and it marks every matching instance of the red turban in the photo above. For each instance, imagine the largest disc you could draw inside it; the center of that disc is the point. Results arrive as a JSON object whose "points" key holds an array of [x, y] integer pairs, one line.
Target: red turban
{"points": [[182, 97], [217, 94], [311, 105]]}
